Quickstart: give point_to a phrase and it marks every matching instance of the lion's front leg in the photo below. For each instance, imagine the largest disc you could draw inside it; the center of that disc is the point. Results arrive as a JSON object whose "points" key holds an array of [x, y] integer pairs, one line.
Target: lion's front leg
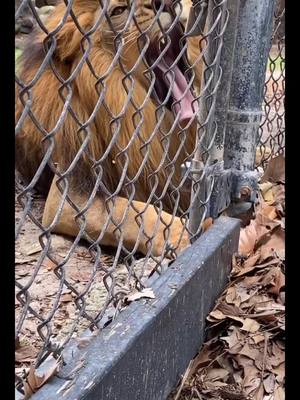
{"points": [[136, 225]]}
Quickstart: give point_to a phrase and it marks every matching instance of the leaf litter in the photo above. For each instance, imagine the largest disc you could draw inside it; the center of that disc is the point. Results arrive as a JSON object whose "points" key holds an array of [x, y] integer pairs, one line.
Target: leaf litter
{"points": [[43, 293], [243, 357]]}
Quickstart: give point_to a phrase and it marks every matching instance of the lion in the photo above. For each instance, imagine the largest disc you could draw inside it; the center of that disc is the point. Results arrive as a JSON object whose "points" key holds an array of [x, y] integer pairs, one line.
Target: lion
{"points": [[126, 145]]}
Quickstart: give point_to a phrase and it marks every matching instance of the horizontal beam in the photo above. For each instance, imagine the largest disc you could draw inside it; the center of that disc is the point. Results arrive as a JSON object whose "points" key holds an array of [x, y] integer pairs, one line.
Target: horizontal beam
{"points": [[143, 353]]}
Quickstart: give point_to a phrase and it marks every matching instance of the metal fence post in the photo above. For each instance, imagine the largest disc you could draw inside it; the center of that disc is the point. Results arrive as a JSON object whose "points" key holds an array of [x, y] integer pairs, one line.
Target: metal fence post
{"points": [[246, 95]]}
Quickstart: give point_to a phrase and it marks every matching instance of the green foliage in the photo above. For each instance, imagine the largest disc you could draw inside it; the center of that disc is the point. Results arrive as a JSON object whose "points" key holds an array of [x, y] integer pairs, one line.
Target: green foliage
{"points": [[18, 54], [279, 64]]}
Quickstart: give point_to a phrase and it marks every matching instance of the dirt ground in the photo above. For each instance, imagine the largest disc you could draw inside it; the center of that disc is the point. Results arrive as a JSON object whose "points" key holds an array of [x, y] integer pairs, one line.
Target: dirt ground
{"points": [[42, 285]]}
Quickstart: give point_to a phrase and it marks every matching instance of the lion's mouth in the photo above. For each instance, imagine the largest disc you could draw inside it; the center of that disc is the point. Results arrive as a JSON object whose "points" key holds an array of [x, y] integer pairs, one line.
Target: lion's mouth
{"points": [[171, 87]]}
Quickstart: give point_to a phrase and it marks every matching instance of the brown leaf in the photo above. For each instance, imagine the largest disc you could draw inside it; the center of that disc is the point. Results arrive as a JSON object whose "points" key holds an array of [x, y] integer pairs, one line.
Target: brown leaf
{"points": [[204, 357], [275, 171], [217, 374], [211, 387], [252, 380], [261, 154], [256, 266], [25, 353], [274, 243], [250, 352], [269, 383], [215, 315], [17, 343], [251, 261], [36, 380], [232, 394], [279, 194], [267, 192], [65, 298], [80, 276], [233, 339], [278, 356], [264, 187], [254, 233], [245, 294], [262, 221], [279, 393], [225, 363], [279, 372], [145, 293], [33, 249], [258, 338], [250, 325], [231, 296], [21, 271], [259, 392], [267, 213], [23, 260], [276, 279], [84, 341], [269, 308], [228, 309], [248, 238], [49, 264]]}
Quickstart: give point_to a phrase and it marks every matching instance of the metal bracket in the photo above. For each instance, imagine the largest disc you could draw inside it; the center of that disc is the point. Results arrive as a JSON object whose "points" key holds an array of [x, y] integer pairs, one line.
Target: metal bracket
{"points": [[232, 188]]}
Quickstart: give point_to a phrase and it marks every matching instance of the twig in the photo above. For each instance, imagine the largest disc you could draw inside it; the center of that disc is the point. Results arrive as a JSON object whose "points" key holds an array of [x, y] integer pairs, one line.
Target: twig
{"points": [[184, 378]]}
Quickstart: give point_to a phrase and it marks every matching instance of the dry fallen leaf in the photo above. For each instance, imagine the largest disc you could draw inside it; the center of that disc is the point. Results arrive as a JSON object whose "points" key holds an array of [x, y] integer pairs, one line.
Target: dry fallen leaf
{"points": [[250, 351], [250, 325], [216, 374], [267, 192], [49, 264], [234, 336], [279, 393], [276, 279], [145, 293], [279, 373], [33, 249], [250, 236], [269, 383], [36, 380], [25, 353], [275, 171], [274, 244], [66, 298]]}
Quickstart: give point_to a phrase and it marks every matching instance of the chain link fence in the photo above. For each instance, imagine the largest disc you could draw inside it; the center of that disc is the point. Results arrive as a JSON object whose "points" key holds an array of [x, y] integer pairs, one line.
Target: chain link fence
{"points": [[271, 134], [116, 137]]}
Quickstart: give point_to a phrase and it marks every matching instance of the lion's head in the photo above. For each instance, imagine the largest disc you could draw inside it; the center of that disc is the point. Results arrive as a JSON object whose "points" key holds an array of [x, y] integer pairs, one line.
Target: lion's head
{"points": [[122, 72]]}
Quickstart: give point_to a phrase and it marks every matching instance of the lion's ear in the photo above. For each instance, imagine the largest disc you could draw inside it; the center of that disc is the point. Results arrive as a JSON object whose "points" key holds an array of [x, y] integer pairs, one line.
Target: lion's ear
{"points": [[68, 38]]}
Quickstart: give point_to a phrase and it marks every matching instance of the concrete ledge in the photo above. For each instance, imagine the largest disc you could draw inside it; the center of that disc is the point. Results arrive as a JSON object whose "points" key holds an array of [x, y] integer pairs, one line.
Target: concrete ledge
{"points": [[142, 354]]}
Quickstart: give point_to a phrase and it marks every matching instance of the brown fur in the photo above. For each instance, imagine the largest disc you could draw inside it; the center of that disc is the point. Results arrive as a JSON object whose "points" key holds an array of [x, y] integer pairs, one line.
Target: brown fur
{"points": [[48, 105]]}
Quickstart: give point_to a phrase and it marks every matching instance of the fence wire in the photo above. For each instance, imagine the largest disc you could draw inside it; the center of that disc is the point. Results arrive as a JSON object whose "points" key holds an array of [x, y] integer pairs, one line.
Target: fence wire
{"points": [[107, 100], [271, 136]]}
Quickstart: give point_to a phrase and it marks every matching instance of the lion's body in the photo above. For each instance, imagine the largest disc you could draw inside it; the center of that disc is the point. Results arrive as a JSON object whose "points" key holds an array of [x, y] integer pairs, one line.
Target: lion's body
{"points": [[151, 161]]}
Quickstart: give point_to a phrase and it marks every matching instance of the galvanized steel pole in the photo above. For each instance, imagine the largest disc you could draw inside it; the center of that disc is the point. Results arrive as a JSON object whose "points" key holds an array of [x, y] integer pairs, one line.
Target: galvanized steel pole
{"points": [[246, 96]]}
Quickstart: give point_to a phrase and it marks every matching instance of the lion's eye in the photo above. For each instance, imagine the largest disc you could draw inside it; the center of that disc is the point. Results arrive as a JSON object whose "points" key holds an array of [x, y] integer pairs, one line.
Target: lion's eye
{"points": [[118, 10]]}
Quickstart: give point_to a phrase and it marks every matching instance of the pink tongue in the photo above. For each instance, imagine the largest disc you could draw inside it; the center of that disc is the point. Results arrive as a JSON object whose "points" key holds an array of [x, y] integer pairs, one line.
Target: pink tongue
{"points": [[179, 87]]}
